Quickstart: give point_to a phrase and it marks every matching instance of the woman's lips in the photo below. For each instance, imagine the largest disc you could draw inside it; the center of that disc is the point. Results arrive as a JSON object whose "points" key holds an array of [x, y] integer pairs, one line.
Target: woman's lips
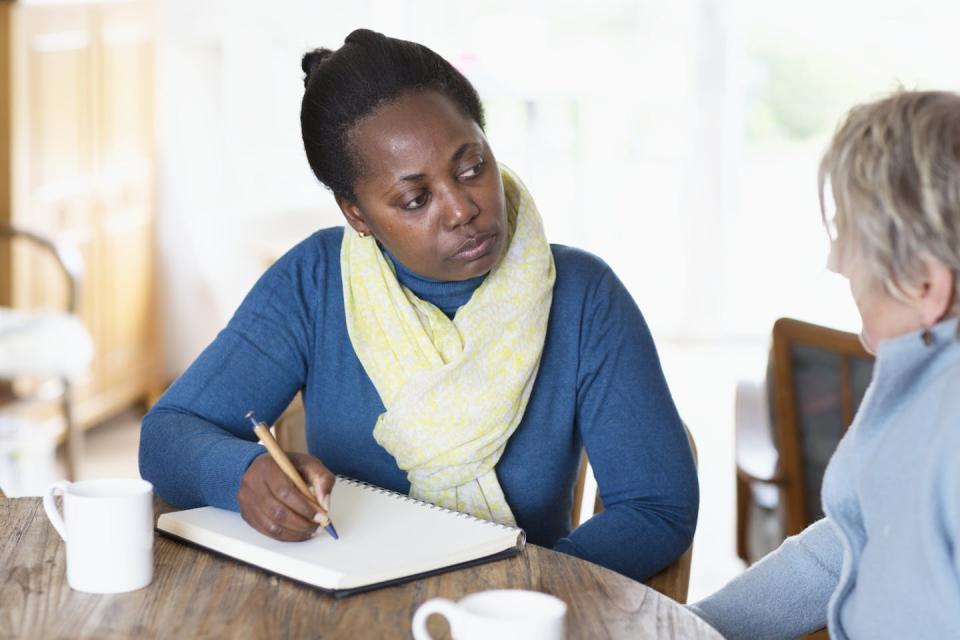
{"points": [[476, 247]]}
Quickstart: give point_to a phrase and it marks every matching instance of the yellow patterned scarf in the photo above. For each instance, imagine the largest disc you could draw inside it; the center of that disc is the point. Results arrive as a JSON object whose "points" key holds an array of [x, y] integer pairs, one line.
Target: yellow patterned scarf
{"points": [[454, 390]]}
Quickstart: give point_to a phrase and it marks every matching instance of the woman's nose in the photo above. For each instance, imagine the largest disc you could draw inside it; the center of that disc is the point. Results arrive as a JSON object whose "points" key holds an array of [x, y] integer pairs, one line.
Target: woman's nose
{"points": [[460, 208]]}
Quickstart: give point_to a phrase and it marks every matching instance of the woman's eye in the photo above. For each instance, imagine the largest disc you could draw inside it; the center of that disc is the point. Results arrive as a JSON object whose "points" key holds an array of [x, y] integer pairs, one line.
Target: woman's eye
{"points": [[473, 171], [416, 203]]}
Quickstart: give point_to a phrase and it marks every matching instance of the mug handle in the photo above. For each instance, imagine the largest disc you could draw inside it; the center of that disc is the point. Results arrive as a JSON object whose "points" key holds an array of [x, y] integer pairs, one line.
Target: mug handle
{"points": [[50, 506], [446, 608]]}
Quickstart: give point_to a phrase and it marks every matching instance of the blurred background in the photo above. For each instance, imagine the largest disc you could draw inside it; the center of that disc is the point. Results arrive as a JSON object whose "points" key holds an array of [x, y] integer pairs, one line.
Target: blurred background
{"points": [[157, 144]]}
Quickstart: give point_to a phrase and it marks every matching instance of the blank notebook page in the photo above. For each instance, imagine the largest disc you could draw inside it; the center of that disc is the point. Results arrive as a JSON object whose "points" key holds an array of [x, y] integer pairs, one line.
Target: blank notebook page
{"points": [[384, 537]]}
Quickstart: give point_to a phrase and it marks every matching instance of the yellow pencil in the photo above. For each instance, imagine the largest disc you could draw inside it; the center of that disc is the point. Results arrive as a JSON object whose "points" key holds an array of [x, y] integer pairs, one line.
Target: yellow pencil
{"points": [[263, 432]]}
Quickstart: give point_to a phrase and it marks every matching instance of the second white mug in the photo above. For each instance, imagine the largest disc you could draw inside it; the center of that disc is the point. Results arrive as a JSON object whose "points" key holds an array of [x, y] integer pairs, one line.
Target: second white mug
{"points": [[107, 526], [502, 614]]}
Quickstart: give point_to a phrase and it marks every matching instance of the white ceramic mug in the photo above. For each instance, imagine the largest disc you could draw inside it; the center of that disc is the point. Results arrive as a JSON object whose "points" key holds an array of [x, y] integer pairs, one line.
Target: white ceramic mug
{"points": [[107, 526], [502, 614]]}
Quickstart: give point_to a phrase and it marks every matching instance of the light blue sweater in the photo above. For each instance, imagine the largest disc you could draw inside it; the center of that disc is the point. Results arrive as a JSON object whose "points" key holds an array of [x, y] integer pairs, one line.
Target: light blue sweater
{"points": [[885, 561]]}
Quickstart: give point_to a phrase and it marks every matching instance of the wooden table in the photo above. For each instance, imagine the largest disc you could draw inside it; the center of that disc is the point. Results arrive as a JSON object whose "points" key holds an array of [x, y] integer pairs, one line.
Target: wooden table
{"points": [[195, 594]]}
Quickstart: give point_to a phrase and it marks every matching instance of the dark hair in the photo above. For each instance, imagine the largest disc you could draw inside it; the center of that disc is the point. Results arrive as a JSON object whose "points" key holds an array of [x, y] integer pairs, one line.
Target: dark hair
{"points": [[343, 86]]}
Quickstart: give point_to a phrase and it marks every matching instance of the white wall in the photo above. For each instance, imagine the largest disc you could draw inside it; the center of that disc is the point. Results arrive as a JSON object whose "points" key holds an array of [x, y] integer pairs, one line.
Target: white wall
{"points": [[655, 134], [233, 179], [601, 109]]}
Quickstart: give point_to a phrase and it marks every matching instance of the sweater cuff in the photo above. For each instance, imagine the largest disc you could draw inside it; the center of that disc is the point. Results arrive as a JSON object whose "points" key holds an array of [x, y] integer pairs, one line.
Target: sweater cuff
{"points": [[230, 458]]}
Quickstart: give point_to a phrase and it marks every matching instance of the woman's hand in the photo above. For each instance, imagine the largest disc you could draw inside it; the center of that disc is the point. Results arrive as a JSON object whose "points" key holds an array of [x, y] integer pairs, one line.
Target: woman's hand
{"points": [[274, 506]]}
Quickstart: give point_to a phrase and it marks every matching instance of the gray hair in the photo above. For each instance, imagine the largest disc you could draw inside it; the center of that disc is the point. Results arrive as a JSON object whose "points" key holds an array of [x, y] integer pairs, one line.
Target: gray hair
{"points": [[893, 169]]}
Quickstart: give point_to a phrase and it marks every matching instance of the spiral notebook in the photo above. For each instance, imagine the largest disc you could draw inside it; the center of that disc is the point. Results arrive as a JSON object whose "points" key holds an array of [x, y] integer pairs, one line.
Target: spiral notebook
{"points": [[385, 538]]}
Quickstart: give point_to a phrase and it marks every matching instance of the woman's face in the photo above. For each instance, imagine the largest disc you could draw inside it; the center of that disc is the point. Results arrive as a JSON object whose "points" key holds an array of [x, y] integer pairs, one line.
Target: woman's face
{"points": [[429, 188], [882, 315]]}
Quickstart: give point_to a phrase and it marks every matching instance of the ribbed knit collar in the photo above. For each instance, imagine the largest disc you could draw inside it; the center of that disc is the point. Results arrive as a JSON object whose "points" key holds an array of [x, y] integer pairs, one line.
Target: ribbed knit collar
{"points": [[908, 350], [448, 296], [903, 361]]}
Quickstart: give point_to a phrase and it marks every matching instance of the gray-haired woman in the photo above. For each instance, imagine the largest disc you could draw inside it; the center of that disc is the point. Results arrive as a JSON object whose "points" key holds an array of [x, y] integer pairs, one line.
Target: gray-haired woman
{"points": [[885, 561]]}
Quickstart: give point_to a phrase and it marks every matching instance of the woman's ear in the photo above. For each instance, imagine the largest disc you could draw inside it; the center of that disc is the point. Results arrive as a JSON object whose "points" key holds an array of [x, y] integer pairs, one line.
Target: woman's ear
{"points": [[353, 214], [935, 296]]}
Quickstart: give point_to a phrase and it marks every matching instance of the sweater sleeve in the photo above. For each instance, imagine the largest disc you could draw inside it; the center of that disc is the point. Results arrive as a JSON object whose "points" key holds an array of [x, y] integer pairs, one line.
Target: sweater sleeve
{"points": [[634, 440], [785, 595], [195, 443]]}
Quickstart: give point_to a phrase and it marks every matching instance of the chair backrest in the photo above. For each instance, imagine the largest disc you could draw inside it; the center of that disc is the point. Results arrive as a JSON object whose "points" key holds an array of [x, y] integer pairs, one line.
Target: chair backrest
{"points": [[290, 429], [674, 580], [817, 381], [65, 257]]}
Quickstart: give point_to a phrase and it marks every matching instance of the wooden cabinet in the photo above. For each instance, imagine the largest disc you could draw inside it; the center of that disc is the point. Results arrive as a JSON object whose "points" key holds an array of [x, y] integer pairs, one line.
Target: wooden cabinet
{"points": [[77, 163]]}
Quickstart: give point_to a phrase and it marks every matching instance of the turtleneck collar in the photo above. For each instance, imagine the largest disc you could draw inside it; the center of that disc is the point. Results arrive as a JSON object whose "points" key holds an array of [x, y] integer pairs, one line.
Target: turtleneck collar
{"points": [[911, 349], [903, 360], [448, 296]]}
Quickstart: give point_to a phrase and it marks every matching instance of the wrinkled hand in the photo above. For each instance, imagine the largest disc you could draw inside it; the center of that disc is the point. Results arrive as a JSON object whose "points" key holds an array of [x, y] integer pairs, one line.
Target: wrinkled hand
{"points": [[273, 505]]}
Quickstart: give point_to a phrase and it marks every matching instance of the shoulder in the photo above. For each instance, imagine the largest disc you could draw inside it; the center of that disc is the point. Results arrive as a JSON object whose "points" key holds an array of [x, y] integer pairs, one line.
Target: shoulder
{"points": [[585, 277], [588, 294], [318, 249], [577, 262], [310, 262], [579, 270], [299, 279]]}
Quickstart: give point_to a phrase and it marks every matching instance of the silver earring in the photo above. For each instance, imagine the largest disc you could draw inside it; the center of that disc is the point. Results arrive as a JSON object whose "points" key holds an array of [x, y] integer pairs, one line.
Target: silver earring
{"points": [[362, 234], [927, 337]]}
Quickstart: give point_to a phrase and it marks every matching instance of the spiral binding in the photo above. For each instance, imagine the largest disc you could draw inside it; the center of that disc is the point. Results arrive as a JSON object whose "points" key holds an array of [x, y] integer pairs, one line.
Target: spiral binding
{"points": [[521, 537]]}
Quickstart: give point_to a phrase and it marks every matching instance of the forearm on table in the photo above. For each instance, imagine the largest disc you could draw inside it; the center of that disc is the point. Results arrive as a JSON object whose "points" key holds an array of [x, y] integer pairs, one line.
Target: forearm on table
{"points": [[785, 595], [196, 443], [192, 462], [636, 540]]}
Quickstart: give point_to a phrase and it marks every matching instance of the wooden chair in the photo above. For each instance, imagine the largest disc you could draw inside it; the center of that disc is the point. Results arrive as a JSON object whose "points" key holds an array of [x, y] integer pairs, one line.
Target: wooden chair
{"points": [[23, 334], [674, 580], [815, 384]]}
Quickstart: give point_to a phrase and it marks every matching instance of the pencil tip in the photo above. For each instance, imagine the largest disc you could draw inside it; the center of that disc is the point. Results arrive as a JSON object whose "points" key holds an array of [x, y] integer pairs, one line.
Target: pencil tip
{"points": [[332, 531]]}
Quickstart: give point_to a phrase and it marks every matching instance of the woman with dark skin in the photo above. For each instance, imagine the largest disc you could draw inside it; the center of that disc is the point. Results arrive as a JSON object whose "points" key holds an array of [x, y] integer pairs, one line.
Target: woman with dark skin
{"points": [[418, 143], [443, 348]]}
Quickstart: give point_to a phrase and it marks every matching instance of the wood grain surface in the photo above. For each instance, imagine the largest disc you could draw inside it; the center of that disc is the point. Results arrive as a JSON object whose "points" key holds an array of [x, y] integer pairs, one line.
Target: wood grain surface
{"points": [[195, 594]]}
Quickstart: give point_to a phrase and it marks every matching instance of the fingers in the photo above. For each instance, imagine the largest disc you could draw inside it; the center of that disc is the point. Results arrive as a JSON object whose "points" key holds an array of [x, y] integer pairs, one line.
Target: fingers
{"points": [[277, 521], [317, 476], [286, 495], [272, 505]]}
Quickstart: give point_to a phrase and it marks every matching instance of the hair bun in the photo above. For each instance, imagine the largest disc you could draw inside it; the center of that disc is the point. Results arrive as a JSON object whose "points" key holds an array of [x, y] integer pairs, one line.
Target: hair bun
{"points": [[363, 36], [311, 60]]}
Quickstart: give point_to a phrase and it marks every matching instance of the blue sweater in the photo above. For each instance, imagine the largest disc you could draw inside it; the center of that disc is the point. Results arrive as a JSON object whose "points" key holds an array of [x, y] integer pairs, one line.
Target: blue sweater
{"points": [[885, 561], [600, 385]]}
